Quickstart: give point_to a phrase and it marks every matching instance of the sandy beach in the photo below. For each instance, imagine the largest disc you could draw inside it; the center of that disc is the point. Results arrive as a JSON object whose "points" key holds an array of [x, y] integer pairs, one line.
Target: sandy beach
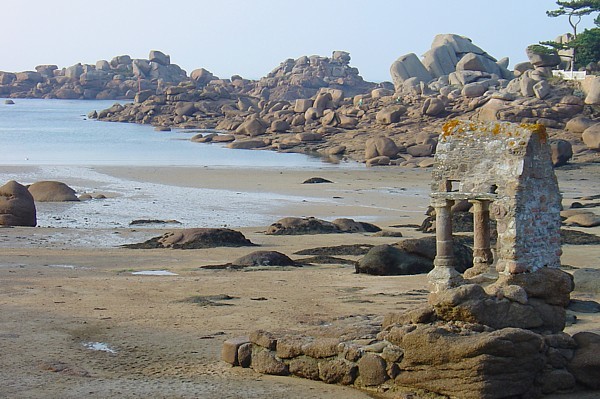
{"points": [[65, 291]]}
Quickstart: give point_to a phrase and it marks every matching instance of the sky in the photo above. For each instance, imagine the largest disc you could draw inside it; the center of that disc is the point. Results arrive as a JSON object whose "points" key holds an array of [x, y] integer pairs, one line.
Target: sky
{"points": [[252, 37]]}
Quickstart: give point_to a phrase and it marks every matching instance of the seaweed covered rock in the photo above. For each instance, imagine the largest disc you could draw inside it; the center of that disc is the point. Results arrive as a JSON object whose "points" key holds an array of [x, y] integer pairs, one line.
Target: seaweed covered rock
{"points": [[195, 239], [264, 258], [412, 256]]}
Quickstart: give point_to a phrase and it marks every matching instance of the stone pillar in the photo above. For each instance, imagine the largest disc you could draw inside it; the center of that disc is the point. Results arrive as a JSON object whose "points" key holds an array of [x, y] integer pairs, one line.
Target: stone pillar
{"points": [[482, 252], [443, 275]]}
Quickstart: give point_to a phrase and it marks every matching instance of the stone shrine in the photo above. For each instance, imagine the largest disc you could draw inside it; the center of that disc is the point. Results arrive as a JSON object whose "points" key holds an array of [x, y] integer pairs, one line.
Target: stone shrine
{"points": [[504, 169]]}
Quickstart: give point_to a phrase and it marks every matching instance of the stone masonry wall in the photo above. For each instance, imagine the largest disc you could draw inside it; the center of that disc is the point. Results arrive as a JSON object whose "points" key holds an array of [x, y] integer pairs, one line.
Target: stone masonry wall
{"points": [[511, 165]]}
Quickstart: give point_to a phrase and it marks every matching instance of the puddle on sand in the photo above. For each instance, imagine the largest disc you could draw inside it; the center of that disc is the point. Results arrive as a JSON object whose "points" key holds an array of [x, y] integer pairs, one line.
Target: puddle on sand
{"points": [[99, 346], [154, 273]]}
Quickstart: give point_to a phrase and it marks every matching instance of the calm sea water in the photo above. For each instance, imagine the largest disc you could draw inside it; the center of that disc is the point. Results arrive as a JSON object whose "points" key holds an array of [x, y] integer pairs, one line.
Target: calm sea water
{"points": [[57, 132], [57, 140]]}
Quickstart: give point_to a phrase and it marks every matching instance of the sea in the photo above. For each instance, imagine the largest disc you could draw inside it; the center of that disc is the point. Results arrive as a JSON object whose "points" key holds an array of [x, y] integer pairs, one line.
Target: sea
{"points": [[58, 132], [57, 141]]}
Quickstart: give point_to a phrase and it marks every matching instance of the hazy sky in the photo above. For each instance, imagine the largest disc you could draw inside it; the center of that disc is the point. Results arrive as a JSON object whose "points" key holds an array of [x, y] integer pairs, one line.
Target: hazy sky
{"points": [[251, 37]]}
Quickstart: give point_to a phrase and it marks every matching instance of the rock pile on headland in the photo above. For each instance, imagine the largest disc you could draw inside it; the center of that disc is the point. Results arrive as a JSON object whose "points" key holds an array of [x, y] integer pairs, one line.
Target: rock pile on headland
{"points": [[322, 105], [121, 77]]}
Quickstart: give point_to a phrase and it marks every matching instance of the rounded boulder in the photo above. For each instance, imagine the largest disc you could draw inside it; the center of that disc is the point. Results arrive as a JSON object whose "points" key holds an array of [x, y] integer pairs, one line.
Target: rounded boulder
{"points": [[17, 207], [52, 191]]}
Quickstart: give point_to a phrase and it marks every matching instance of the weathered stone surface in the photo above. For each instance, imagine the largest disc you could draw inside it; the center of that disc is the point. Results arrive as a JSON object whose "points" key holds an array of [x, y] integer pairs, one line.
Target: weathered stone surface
{"points": [[591, 88], [264, 258], [337, 371], [408, 257], [579, 124], [304, 367], [380, 146], [562, 152], [541, 89], [248, 144], [17, 206], [229, 350], [585, 365], [420, 314], [557, 380], [390, 114], [583, 219], [321, 348], [474, 89], [471, 366], [265, 362], [552, 285], [245, 355], [591, 137], [433, 106], [347, 225], [52, 191], [372, 370], [290, 346], [420, 150], [159, 57], [296, 226], [539, 59], [263, 338], [529, 239], [252, 127], [406, 67], [202, 76], [302, 105], [587, 280], [195, 239]]}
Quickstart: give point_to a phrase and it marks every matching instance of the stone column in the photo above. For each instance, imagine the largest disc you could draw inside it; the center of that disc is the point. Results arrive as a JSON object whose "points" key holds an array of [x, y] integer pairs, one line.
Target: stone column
{"points": [[443, 275], [482, 252]]}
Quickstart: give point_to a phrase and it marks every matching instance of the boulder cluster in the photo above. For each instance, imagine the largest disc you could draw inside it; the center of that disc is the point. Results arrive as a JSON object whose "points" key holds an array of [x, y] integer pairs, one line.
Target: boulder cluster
{"points": [[120, 78], [17, 201], [322, 105]]}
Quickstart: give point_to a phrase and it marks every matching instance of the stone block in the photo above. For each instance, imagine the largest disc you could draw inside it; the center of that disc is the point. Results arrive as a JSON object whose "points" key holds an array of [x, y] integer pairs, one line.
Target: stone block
{"points": [[337, 371], [229, 350], [265, 362], [372, 370], [263, 338], [304, 367], [321, 348]]}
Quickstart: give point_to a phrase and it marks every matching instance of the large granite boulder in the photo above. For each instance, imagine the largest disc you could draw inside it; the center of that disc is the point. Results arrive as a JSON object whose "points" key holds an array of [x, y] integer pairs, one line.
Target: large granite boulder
{"points": [[406, 67], [470, 364], [591, 88], [591, 137], [447, 53], [579, 124], [159, 57], [539, 57], [201, 76], [17, 207], [52, 191], [411, 256], [380, 146]]}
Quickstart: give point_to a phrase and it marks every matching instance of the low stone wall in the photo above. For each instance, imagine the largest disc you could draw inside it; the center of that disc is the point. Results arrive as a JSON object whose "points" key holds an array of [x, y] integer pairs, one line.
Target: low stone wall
{"points": [[448, 347]]}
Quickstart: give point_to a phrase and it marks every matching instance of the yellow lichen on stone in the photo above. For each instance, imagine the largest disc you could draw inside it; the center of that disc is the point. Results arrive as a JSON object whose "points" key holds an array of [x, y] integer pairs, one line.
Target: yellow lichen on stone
{"points": [[536, 128]]}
